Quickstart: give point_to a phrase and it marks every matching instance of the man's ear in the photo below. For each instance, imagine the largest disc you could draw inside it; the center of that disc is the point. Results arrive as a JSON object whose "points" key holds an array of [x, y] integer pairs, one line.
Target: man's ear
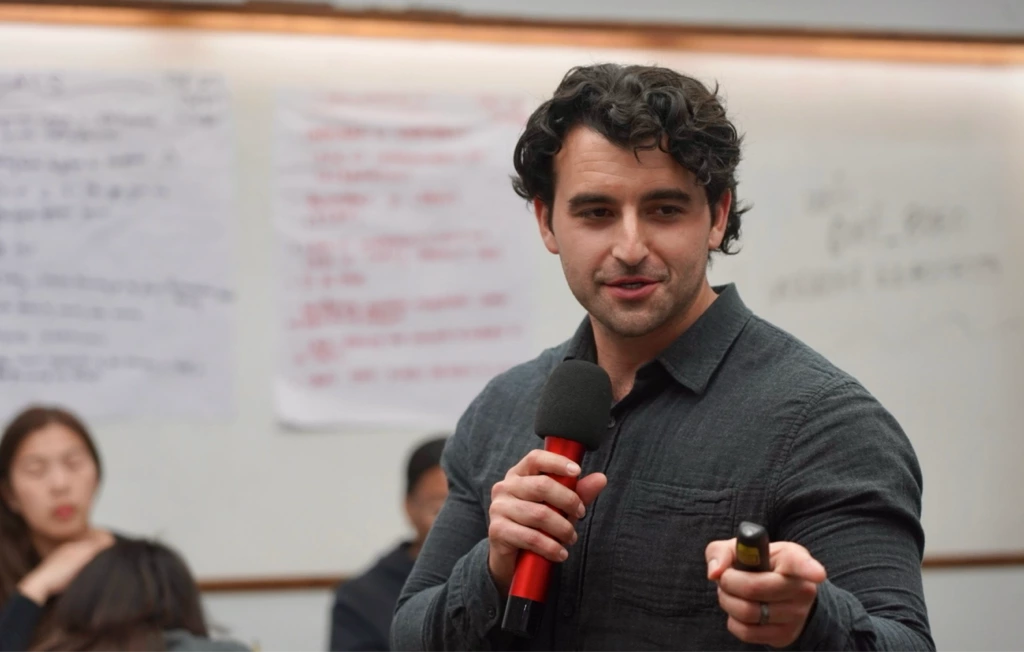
{"points": [[719, 220], [545, 225]]}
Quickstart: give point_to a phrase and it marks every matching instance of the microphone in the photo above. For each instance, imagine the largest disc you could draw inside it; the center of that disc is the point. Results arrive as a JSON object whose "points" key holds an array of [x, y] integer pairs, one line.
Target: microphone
{"points": [[572, 417]]}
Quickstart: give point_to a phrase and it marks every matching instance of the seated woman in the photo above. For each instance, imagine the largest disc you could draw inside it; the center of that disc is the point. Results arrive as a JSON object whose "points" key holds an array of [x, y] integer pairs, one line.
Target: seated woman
{"points": [[135, 595], [49, 474]]}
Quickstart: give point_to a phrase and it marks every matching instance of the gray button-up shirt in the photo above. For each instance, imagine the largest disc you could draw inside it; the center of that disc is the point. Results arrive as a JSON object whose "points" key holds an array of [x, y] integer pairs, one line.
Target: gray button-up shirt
{"points": [[736, 420]]}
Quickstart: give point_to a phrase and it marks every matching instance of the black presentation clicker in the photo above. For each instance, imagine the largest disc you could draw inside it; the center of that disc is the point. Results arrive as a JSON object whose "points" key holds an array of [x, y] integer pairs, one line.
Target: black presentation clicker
{"points": [[752, 548]]}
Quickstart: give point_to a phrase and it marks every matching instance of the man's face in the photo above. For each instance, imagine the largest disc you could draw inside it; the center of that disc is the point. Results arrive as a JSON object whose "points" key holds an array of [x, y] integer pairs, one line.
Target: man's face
{"points": [[633, 232]]}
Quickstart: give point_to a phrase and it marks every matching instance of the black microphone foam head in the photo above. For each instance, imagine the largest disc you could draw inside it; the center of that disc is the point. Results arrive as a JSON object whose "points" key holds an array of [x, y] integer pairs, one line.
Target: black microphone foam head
{"points": [[575, 404]]}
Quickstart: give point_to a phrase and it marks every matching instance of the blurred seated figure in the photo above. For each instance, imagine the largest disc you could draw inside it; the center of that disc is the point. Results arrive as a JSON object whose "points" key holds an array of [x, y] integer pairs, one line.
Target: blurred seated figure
{"points": [[134, 595], [363, 606], [50, 474]]}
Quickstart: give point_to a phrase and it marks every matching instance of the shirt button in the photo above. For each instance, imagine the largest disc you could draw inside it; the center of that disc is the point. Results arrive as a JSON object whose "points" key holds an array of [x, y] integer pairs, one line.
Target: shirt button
{"points": [[568, 610], [611, 422], [491, 613]]}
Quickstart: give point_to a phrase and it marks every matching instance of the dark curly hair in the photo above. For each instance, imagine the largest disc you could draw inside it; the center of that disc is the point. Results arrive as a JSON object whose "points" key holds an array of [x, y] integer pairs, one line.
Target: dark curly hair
{"points": [[637, 107]]}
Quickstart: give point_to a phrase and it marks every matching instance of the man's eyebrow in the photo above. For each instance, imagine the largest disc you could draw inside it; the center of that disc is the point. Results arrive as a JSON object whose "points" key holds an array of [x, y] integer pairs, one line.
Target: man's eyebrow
{"points": [[673, 194], [585, 198]]}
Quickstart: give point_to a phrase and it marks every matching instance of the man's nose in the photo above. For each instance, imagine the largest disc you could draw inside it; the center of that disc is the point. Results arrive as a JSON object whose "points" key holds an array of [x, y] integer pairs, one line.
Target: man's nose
{"points": [[631, 241]]}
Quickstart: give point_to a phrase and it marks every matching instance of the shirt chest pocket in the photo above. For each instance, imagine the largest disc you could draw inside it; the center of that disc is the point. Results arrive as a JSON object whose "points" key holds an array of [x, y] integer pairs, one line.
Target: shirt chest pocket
{"points": [[659, 546]]}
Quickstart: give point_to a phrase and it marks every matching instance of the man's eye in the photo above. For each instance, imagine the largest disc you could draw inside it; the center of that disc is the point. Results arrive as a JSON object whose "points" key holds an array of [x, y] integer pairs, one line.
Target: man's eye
{"points": [[668, 211]]}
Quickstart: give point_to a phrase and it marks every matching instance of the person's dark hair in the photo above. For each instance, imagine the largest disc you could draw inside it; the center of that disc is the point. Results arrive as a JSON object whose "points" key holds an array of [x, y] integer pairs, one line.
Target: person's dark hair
{"points": [[125, 599], [638, 108], [425, 457], [18, 555]]}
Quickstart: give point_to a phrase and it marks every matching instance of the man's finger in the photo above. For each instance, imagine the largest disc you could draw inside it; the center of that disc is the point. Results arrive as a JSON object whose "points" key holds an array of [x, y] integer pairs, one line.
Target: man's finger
{"points": [[719, 556], [540, 461], [537, 516], [590, 486], [544, 489], [765, 587], [793, 560], [749, 612], [515, 536]]}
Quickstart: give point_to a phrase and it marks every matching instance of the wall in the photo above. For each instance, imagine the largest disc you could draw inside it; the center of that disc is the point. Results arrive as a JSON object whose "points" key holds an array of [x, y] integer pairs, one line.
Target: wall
{"points": [[982, 17]]}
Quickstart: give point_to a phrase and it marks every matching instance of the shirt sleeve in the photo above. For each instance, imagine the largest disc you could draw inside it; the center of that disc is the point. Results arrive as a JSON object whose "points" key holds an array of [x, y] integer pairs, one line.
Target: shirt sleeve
{"points": [[850, 492], [18, 620], [450, 601]]}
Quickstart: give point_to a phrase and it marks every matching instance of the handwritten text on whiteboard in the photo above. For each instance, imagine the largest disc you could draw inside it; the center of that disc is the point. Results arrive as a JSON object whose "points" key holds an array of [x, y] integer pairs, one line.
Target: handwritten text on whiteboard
{"points": [[115, 201], [404, 271]]}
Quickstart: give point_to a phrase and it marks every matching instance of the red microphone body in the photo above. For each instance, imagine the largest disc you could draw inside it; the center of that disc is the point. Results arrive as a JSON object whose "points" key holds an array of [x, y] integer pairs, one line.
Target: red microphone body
{"points": [[572, 418]]}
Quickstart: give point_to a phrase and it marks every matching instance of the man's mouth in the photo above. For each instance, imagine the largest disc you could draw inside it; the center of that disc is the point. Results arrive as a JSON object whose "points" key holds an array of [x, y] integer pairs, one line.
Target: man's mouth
{"points": [[632, 283], [633, 288]]}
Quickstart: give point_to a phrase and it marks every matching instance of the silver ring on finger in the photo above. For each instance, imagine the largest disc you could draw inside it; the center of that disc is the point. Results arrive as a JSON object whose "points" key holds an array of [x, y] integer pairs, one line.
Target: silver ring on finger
{"points": [[763, 620]]}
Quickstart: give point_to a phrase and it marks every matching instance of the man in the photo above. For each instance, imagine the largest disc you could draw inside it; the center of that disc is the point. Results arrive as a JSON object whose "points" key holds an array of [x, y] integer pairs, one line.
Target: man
{"points": [[363, 606], [718, 417]]}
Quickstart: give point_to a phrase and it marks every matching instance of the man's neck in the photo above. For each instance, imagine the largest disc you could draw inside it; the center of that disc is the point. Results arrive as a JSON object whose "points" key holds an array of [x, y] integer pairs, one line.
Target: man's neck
{"points": [[622, 356]]}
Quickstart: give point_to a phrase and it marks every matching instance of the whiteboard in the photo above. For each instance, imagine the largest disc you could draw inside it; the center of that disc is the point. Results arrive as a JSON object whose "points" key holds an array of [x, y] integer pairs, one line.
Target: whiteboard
{"points": [[243, 496], [108, 181], [401, 291]]}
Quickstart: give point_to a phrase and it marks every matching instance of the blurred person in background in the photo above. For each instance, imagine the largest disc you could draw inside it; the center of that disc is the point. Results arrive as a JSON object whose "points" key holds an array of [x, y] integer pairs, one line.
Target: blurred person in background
{"points": [[50, 473], [363, 606], [134, 595]]}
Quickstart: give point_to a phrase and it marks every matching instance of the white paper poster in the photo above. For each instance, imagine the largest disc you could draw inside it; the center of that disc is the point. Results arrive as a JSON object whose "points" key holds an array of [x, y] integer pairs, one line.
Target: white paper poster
{"points": [[115, 206], [404, 260]]}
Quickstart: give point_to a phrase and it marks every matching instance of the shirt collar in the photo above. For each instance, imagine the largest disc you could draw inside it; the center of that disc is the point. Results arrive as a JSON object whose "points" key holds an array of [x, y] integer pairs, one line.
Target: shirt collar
{"points": [[693, 357]]}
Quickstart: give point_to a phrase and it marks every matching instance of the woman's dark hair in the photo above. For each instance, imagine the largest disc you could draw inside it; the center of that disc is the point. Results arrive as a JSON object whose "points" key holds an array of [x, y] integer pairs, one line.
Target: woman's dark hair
{"points": [[125, 599], [18, 555], [635, 107]]}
